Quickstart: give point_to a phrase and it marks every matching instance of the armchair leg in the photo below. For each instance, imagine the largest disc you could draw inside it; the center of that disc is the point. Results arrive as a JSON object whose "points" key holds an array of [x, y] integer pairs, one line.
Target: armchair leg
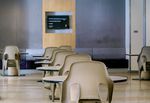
{"points": [[3, 71], [44, 73], [139, 74], [53, 88]]}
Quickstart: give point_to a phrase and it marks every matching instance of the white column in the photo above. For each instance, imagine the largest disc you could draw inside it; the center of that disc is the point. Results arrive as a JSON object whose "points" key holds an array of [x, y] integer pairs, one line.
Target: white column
{"points": [[137, 30], [147, 22]]}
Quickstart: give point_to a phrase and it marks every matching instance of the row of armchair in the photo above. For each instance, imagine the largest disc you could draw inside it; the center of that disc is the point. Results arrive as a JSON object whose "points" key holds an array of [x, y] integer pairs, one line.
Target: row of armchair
{"points": [[74, 77]]}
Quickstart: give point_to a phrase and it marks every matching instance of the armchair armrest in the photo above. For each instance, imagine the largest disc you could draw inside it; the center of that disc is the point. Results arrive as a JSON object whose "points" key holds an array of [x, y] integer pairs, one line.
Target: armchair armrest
{"points": [[41, 57], [108, 84], [110, 89], [50, 68], [74, 93], [54, 79], [43, 62]]}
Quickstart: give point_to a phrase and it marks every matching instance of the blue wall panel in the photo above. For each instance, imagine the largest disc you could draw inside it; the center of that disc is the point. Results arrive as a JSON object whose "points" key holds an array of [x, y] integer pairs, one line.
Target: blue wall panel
{"points": [[21, 23], [101, 27]]}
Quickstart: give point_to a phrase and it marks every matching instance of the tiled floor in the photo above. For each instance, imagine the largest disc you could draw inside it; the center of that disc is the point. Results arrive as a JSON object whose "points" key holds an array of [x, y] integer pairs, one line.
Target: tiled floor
{"points": [[132, 91], [27, 90], [23, 89]]}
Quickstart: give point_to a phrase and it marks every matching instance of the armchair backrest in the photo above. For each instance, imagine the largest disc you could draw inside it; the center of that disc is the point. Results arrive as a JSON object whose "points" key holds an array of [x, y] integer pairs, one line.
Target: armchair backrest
{"points": [[54, 55], [60, 57], [70, 59], [67, 47], [48, 52], [11, 52]]}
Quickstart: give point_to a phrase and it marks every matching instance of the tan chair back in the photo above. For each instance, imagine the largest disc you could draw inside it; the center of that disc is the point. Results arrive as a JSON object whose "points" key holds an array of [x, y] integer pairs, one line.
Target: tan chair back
{"points": [[67, 47], [54, 55], [48, 52], [60, 57], [86, 77], [70, 59]]}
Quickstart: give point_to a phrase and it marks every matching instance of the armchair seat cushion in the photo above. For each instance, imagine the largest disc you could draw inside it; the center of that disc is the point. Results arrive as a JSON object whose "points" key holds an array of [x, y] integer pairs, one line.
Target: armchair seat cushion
{"points": [[11, 63]]}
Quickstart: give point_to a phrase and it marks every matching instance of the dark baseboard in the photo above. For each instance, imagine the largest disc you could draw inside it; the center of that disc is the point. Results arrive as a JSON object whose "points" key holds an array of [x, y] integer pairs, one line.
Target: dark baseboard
{"points": [[110, 63], [114, 63]]}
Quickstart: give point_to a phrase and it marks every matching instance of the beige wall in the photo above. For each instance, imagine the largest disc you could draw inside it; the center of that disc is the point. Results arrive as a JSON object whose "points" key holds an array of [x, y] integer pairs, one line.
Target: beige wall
{"points": [[57, 39]]}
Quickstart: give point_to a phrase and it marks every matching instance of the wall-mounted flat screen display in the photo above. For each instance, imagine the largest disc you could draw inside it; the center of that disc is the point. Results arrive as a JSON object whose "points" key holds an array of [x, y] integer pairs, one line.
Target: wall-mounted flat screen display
{"points": [[57, 22]]}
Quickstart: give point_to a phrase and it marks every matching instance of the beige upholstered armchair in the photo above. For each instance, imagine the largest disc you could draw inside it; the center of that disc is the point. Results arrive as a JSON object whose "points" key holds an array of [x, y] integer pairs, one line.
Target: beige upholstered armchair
{"points": [[85, 81], [11, 60], [144, 63]]}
